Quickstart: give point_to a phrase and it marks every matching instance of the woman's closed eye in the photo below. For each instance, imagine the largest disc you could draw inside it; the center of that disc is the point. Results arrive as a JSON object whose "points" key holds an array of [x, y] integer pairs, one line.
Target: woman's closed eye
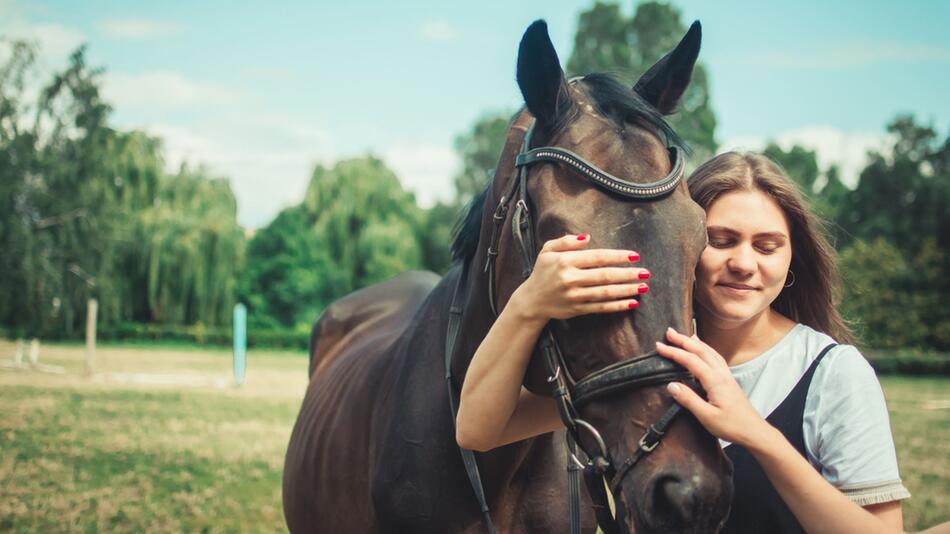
{"points": [[769, 246]]}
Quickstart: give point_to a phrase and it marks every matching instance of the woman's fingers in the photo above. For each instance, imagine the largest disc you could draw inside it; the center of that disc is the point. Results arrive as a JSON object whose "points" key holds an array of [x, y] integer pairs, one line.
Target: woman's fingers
{"points": [[689, 399], [601, 257], [693, 363], [606, 292], [610, 275], [567, 243], [694, 345], [611, 306]]}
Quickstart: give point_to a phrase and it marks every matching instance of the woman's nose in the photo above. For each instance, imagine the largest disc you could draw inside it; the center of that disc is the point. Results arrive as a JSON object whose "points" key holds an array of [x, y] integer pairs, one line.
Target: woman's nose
{"points": [[742, 260]]}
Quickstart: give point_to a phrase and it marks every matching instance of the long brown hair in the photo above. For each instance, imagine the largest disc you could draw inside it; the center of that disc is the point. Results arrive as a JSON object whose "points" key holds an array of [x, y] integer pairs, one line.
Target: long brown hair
{"points": [[813, 296]]}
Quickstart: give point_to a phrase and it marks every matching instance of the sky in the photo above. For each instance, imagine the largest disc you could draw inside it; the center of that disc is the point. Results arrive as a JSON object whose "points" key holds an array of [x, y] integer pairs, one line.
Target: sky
{"points": [[261, 92]]}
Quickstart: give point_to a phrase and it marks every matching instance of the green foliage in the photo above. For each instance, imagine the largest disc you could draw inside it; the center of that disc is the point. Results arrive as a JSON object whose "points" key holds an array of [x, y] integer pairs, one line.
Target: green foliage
{"points": [[909, 362], [200, 334], [194, 250], [608, 41], [437, 236], [479, 150], [355, 227], [87, 212], [799, 163], [877, 299], [903, 196]]}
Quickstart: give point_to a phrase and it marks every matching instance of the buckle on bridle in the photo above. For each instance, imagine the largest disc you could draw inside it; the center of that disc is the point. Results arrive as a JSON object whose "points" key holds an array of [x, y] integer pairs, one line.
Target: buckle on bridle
{"points": [[653, 435], [556, 374]]}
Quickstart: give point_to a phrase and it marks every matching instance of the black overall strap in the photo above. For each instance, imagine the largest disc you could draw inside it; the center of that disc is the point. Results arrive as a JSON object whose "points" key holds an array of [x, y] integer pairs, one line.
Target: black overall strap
{"points": [[468, 457]]}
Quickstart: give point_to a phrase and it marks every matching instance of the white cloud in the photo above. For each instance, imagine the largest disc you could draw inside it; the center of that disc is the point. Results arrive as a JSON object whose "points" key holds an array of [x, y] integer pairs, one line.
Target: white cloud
{"points": [[134, 28], [268, 159], [438, 30], [426, 170], [847, 150], [853, 54], [56, 42], [163, 89]]}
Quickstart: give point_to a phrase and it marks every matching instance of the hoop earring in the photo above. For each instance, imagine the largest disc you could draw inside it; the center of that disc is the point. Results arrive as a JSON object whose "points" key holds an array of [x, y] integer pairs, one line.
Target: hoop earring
{"points": [[791, 274]]}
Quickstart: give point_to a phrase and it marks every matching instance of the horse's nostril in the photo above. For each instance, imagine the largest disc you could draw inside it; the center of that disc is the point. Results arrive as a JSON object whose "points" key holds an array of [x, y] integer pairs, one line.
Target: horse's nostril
{"points": [[674, 500]]}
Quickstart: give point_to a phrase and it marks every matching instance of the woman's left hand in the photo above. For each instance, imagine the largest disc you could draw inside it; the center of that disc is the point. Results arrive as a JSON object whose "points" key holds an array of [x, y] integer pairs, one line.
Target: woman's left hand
{"points": [[727, 414]]}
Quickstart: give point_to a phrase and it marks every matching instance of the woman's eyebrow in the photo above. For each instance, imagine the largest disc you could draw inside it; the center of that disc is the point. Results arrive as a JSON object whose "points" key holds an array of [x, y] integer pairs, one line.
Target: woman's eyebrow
{"points": [[760, 235]]}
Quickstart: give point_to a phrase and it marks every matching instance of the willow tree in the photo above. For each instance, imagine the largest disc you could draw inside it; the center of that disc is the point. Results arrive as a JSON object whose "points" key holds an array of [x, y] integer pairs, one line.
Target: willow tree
{"points": [[356, 226], [194, 250]]}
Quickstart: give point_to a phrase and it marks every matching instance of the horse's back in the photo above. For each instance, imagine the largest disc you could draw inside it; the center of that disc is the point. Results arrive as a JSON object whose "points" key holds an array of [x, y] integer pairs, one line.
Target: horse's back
{"points": [[349, 357], [379, 310]]}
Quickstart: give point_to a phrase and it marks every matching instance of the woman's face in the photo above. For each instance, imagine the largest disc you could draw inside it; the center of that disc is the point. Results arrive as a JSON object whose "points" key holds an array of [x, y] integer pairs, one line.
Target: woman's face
{"points": [[745, 263]]}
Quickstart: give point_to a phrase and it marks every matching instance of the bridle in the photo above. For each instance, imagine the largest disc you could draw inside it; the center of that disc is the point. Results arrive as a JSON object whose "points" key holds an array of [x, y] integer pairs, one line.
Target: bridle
{"points": [[570, 394]]}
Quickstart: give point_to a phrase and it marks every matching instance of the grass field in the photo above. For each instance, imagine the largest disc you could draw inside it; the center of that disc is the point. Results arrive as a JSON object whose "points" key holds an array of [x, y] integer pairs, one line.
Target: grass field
{"points": [[109, 455]]}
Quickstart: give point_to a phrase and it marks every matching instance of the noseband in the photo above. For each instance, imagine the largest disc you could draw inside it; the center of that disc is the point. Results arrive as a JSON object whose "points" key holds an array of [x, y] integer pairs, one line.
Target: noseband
{"points": [[570, 394]]}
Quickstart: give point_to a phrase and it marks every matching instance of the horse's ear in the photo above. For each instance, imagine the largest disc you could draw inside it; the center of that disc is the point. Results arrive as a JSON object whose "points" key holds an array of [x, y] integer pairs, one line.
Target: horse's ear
{"points": [[540, 76], [664, 84]]}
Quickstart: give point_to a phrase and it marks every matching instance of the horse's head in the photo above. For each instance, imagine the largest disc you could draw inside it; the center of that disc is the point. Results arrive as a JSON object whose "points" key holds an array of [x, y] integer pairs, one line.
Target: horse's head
{"points": [[685, 483]]}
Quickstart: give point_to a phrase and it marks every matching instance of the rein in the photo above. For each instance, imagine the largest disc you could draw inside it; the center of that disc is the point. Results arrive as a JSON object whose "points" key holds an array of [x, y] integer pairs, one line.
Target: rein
{"points": [[600, 471]]}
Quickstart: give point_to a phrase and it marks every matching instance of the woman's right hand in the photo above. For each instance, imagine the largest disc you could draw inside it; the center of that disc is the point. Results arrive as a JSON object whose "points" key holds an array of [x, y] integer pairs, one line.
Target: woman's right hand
{"points": [[570, 280]]}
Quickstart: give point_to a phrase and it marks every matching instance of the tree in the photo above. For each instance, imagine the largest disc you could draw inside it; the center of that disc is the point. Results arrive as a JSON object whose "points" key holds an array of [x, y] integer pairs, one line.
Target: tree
{"points": [[799, 163], [355, 227], [89, 213], [872, 296], [194, 250], [902, 197], [18, 160], [607, 41], [479, 150]]}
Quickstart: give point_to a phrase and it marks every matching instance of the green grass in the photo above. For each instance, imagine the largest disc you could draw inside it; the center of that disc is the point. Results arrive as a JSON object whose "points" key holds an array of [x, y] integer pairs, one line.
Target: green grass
{"points": [[81, 455], [98, 456], [920, 421]]}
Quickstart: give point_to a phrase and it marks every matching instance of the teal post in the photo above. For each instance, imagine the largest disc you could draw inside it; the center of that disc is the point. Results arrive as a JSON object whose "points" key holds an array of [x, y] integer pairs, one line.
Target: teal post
{"points": [[240, 343]]}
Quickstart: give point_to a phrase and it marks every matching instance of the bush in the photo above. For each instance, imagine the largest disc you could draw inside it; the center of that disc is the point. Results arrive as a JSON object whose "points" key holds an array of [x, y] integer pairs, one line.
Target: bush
{"points": [[879, 297], [204, 335], [909, 362]]}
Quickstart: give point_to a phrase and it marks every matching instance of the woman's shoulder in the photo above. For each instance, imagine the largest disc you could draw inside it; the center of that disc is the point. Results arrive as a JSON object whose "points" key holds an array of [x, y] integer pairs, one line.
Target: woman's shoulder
{"points": [[842, 364]]}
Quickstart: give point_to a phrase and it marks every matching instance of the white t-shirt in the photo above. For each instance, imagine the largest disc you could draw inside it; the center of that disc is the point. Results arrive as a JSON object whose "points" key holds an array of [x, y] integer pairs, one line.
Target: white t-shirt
{"points": [[846, 427]]}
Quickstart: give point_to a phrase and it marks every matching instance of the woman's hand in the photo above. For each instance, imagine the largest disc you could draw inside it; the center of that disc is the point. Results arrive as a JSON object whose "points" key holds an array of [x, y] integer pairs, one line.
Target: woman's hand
{"points": [[570, 280], [727, 414]]}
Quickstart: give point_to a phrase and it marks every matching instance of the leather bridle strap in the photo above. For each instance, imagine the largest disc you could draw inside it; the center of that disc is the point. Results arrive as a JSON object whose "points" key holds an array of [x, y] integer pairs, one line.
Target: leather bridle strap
{"points": [[468, 456], [605, 180], [646, 370]]}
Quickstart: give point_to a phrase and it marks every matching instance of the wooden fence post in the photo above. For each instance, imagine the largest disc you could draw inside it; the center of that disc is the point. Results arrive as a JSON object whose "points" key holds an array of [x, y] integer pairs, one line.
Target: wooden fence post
{"points": [[91, 309], [34, 352]]}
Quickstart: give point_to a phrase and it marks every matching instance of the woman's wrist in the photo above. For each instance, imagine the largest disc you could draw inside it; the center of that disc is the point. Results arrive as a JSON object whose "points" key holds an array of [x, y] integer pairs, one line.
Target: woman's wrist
{"points": [[762, 439], [524, 311]]}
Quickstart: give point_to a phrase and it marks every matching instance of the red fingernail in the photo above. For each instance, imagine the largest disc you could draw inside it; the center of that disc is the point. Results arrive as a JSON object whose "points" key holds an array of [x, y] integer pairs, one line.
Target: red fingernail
{"points": [[582, 236], [633, 257], [644, 275], [633, 304], [643, 289]]}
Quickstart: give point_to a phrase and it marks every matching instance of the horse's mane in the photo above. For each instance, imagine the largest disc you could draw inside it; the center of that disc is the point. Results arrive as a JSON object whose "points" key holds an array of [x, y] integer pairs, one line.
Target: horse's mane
{"points": [[613, 100]]}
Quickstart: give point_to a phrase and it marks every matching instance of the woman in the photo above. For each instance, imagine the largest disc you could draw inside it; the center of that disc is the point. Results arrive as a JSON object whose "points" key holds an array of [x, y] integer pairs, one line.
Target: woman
{"points": [[823, 460]]}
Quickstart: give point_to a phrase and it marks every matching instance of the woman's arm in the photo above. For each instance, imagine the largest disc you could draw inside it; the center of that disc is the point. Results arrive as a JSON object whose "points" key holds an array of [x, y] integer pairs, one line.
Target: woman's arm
{"points": [[728, 415], [567, 281]]}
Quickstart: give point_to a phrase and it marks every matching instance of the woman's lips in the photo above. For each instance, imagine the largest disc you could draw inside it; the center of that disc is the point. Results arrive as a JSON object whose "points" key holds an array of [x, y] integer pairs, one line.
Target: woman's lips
{"points": [[738, 288]]}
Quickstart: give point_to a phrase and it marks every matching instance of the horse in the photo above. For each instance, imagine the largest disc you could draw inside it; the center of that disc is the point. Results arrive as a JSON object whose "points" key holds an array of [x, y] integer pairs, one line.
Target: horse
{"points": [[374, 449]]}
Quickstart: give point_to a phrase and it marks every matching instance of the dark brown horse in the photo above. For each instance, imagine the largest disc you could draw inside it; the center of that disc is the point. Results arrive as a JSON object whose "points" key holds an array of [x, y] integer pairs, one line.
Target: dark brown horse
{"points": [[374, 450]]}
